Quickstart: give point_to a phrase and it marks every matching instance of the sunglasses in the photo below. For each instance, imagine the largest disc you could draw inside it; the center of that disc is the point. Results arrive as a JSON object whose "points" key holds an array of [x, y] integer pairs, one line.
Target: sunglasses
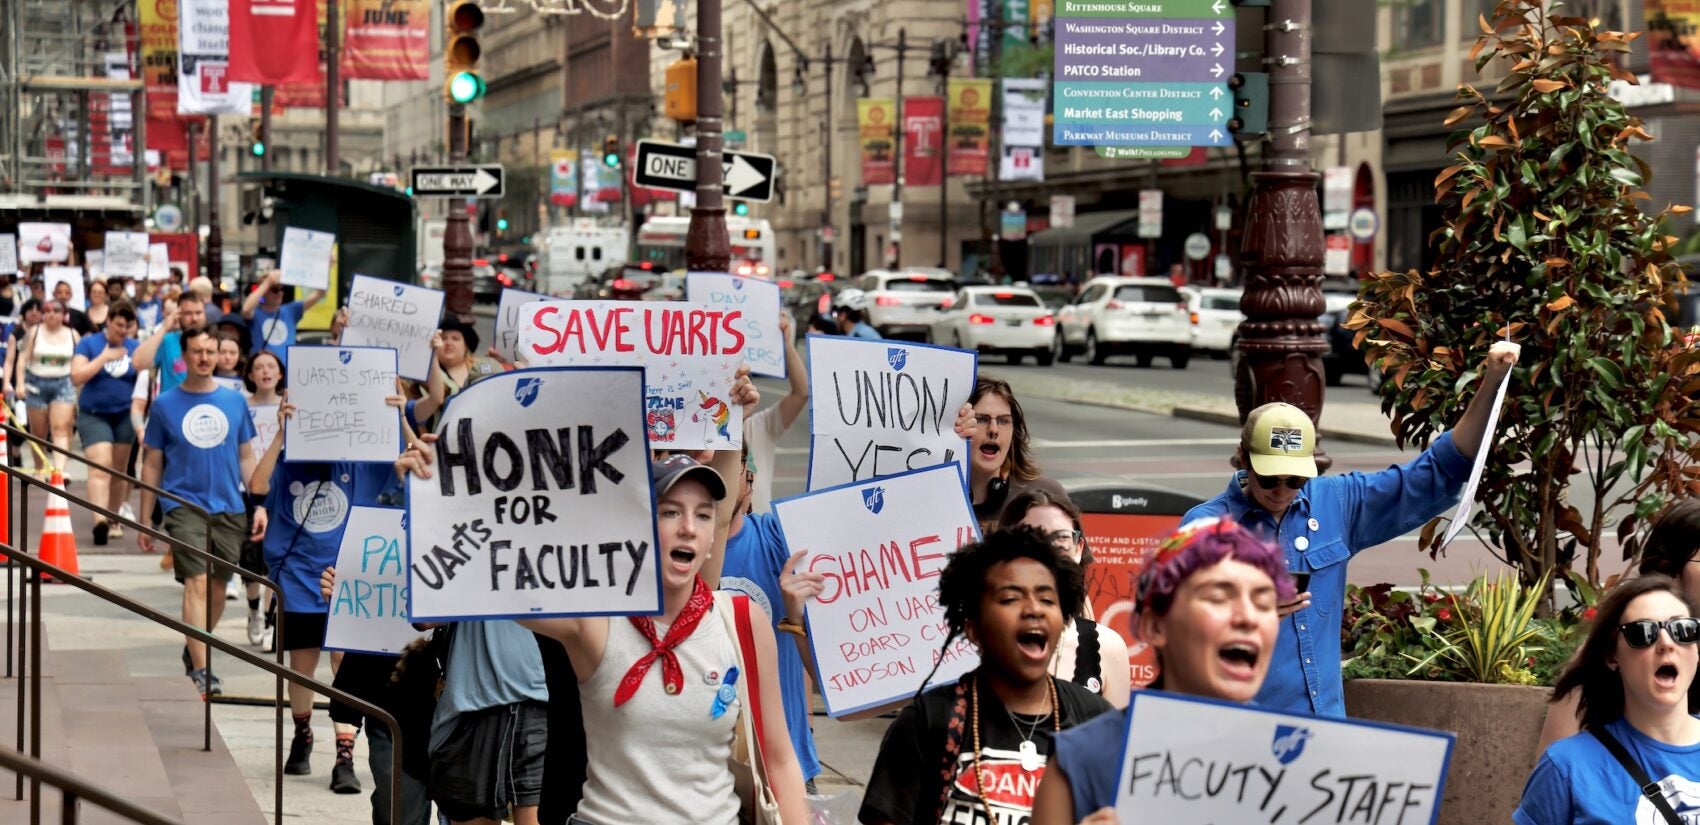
{"points": [[1645, 633], [1292, 482]]}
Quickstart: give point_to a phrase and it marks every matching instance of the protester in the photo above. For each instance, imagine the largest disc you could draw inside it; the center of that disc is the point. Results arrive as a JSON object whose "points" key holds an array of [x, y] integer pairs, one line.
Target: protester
{"points": [[163, 352], [198, 440], [849, 308], [48, 392], [75, 318], [763, 430], [457, 367], [106, 375], [228, 372], [263, 385], [202, 287], [28, 318], [1638, 759], [98, 306], [1207, 604], [274, 323], [1089, 654], [11, 295], [149, 306], [1009, 594], [1321, 522], [1001, 466]]}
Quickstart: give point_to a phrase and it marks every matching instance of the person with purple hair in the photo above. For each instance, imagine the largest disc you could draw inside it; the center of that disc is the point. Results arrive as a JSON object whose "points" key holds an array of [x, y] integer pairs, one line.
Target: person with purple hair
{"points": [[1206, 604]]}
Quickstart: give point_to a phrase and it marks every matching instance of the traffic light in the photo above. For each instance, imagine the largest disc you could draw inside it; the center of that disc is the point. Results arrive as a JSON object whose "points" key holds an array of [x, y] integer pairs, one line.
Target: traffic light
{"points": [[740, 208], [257, 144], [611, 151], [680, 100], [461, 52], [501, 224]]}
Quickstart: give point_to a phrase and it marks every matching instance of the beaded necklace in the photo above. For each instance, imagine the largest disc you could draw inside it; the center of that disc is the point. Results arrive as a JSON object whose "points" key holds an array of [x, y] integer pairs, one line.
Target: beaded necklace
{"points": [[979, 777]]}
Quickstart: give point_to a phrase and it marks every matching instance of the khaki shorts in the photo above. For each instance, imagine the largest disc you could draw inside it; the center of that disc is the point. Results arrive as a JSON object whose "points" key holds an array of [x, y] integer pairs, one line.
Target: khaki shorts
{"points": [[228, 531]]}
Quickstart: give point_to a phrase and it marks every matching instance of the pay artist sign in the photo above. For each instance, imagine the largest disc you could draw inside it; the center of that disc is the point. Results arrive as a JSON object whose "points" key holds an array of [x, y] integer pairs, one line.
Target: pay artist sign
{"points": [[538, 503]]}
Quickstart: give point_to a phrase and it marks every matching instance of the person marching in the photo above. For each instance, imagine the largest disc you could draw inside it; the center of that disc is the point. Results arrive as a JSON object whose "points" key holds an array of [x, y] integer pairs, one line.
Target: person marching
{"points": [[273, 322], [106, 374], [48, 392], [1001, 466]]}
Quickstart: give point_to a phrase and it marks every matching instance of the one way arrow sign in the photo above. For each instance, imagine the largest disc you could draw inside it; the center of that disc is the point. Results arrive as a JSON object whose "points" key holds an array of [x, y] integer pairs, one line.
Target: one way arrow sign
{"points": [[484, 181], [748, 176]]}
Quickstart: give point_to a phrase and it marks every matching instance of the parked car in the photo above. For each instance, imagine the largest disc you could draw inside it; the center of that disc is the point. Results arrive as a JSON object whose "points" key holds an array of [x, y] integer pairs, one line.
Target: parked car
{"points": [[1004, 320], [485, 285], [905, 302], [1342, 359], [1215, 316], [1142, 317], [430, 276], [810, 302], [1055, 296]]}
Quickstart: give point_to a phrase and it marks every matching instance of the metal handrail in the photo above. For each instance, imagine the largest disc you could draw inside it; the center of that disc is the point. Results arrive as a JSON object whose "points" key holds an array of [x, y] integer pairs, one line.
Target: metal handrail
{"points": [[72, 790]]}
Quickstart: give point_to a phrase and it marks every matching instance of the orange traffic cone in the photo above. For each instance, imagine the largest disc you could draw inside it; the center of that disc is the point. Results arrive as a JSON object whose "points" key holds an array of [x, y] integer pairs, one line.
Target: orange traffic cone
{"points": [[58, 546]]}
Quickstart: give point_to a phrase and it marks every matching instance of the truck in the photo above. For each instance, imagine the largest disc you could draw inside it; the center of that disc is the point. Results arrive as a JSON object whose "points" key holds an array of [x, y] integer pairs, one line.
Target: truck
{"points": [[579, 252]]}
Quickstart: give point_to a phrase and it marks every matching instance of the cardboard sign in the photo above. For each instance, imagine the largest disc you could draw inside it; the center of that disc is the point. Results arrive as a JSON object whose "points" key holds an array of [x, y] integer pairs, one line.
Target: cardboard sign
{"points": [[126, 255], [690, 354], [340, 414], [399, 316], [1192, 760], [877, 629], [44, 243], [507, 320], [73, 275], [539, 502], [877, 408], [159, 262], [264, 417], [94, 264], [759, 300], [368, 610], [306, 259], [8, 254]]}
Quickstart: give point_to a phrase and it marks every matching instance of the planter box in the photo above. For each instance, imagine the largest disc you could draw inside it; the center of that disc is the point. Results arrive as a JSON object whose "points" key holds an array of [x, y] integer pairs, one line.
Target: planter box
{"points": [[1498, 729]]}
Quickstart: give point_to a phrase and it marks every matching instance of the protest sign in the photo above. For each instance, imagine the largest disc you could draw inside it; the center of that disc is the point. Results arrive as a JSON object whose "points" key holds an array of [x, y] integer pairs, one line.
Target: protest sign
{"points": [[507, 320], [126, 255], [306, 258], [44, 243], [884, 407], [73, 275], [1188, 760], [368, 611], [159, 262], [399, 316], [264, 417], [877, 627], [690, 354], [759, 299], [539, 502], [340, 413], [94, 264], [8, 254]]}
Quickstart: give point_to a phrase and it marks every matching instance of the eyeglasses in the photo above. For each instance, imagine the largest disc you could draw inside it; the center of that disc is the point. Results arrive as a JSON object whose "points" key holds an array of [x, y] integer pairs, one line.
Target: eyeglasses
{"points": [[1645, 633], [1292, 482], [1002, 420], [1064, 539]]}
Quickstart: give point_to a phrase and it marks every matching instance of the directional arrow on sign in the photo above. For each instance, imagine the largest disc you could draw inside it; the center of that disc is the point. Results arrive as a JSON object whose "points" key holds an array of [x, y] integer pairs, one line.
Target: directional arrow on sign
{"points": [[1216, 113], [746, 175], [740, 176], [1216, 70], [1216, 93], [1217, 50], [1218, 28], [1217, 6]]}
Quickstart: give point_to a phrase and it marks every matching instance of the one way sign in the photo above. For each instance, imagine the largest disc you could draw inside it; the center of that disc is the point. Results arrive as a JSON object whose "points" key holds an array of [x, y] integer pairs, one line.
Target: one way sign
{"points": [[483, 181], [748, 176]]}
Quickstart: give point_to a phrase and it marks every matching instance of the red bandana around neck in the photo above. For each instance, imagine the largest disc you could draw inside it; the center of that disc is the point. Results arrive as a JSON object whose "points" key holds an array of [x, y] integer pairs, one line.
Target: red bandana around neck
{"points": [[671, 675]]}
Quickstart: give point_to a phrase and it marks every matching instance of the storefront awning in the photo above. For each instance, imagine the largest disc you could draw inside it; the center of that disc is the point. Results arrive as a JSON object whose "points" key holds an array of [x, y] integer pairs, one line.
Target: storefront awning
{"points": [[1084, 229]]}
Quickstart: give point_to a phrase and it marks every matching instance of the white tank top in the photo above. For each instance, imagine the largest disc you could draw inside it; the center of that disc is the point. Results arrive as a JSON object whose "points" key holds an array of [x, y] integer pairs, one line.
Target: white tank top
{"points": [[660, 758], [51, 355]]}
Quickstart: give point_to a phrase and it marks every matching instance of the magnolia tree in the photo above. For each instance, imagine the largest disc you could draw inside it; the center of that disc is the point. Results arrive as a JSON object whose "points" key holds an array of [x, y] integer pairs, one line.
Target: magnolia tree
{"points": [[1546, 242]]}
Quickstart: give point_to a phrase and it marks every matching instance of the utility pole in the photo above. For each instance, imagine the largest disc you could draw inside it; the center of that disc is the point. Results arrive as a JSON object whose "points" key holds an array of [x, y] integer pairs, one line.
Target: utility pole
{"points": [[991, 211], [897, 158], [266, 93], [215, 235], [457, 234], [826, 171], [707, 249], [943, 70], [333, 85]]}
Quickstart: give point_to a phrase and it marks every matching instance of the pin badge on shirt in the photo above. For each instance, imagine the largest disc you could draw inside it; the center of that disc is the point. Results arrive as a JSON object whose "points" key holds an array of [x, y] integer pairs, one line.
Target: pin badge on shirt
{"points": [[1301, 543], [1314, 525], [711, 678], [726, 695]]}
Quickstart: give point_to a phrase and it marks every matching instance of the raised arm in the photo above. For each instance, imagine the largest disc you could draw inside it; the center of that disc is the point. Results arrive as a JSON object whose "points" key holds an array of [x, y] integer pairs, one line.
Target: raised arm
{"points": [[1472, 428], [797, 373], [252, 301], [149, 349], [312, 298]]}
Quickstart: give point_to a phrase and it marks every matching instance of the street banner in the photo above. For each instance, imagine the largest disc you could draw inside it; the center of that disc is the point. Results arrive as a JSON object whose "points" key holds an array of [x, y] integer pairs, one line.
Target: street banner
{"points": [[1150, 213], [266, 429], [52, 276], [400, 316], [764, 351], [306, 258], [877, 628], [1022, 163], [539, 502], [386, 39], [125, 255], [923, 141], [1024, 111], [203, 62], [1337, 182], [274, 41], [340, 409], [875, 122], [507, 320], [1673, 42], [970, 111], [159, 262], [658, 18], [159, 66], [879, 408], [8, 254], [1062, 211], [368, 610], [563, 177], [44, 243], [590, 170], [1015, 34], [690, 353], [182, 250], [1317, 770]]}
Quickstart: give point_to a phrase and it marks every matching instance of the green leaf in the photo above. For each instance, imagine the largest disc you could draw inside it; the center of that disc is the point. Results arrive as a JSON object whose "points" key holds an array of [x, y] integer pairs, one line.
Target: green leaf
{"points": [[1609, 372]]}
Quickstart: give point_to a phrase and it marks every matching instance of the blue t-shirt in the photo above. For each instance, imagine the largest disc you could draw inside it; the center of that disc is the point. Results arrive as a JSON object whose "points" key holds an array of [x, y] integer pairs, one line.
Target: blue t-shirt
{"points": [[491, 664], [307, 508], [1084, 754], [147, 313], [168, 361], [1579, 782], [201, 434], [863, 331], [276, 330], [755, 557], [109, 391]]}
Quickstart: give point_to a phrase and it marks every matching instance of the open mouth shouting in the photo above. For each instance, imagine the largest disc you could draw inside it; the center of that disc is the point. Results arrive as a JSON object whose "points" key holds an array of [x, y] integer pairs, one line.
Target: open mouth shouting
{"points": [[681, 558], [1239, 660], [1667, 676], [1034, 644]]}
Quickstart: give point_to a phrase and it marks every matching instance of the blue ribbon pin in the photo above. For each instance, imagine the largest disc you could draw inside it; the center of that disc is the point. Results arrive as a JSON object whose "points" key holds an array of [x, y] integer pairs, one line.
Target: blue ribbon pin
{"points": [[726, 694]]}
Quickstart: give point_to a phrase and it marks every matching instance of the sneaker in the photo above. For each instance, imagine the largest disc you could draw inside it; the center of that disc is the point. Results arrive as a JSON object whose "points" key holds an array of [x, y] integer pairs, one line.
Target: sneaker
{"points": [[125, 512], [300, 762], [206, 683], [100, 531], [233, 589], [256, 626], [343, 779], [116, 531]]}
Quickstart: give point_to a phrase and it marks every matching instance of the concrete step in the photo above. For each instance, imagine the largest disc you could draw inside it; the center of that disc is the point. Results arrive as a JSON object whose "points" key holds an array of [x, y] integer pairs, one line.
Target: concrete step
{"points": [[107, 737], [207, 786]]}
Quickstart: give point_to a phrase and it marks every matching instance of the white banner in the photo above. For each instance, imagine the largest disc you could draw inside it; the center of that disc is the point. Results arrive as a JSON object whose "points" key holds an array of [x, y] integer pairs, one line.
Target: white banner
{"points": [[399, 316], [368, 611], [1150, 213], [507, 320], [878, 408], [539, 502], [73, 275], [340, 412], [1337, 183], [877, 627], [203, 61], [159, 262], [1024, 111], [759, 300], [1320, 771], [125, 256], [306, 257], [690, 354], [8, 254], [44, 243]]}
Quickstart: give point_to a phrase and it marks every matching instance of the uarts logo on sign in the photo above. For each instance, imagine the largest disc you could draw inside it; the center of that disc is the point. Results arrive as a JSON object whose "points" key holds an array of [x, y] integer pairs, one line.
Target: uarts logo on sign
{"points": [[897, 358], [344, 356], [1289, 743], [874, 499], [525, 392], [398, 290]]}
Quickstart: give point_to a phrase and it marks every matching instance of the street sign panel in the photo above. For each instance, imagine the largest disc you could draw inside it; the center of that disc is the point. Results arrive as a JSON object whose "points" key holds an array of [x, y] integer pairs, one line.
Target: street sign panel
{"points": [[481, 181], [748, 176]]}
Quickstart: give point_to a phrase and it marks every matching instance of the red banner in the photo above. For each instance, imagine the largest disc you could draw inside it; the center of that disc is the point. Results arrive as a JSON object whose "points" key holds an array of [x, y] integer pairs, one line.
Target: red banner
{"points": [[274, 41], [387, 40], [923, 141], [180, 248]]}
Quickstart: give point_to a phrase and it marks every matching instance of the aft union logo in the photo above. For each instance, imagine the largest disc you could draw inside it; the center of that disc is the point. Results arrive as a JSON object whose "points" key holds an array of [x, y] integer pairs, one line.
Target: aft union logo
{"points": [[344, 356], [897, 358], [874, 499], [1289, 743], [525, 391], [398, 290]]}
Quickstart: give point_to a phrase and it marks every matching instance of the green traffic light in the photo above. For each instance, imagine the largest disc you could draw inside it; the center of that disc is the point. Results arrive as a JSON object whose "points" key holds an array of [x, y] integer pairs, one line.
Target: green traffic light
{"points": [[465, 87], [501, 224], [740, 208], [611, 160], [259, 149], [525, 239], [410, 191]]}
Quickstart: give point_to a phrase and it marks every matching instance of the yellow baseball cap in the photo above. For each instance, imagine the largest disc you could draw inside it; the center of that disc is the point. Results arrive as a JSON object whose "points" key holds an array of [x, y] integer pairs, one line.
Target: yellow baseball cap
{"points": [[1280, 441]]}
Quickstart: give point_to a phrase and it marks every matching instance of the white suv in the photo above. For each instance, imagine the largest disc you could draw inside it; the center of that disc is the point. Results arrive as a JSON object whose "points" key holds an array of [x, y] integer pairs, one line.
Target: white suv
{"points": [[906, 302], [1142, 317]]}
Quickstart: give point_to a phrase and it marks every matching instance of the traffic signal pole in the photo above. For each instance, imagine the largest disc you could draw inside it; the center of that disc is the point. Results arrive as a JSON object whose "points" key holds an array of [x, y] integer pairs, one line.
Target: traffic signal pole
{"points": [[707, 249], [457, 234], [266, 93], [333, 85]]}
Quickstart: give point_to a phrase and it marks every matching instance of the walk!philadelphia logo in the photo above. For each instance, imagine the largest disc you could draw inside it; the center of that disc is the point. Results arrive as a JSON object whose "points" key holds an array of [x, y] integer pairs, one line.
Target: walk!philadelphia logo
{"points": [[1289, 743], [344, 356], [873, 498], [897, 358], [525, 392]]}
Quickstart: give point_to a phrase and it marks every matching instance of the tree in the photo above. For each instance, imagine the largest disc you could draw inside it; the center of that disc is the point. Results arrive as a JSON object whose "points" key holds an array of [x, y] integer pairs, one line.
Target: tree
{"points": [[1545, 242]]}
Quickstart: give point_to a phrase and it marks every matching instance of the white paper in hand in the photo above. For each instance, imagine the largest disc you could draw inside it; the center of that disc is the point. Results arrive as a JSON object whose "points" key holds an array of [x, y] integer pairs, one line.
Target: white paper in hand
{"points": [[1467, 498]]}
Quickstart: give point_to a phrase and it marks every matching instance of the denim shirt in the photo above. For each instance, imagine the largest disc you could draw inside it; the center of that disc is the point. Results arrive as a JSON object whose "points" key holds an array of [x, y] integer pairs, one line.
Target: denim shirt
{"points": [[1331, 520]]}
